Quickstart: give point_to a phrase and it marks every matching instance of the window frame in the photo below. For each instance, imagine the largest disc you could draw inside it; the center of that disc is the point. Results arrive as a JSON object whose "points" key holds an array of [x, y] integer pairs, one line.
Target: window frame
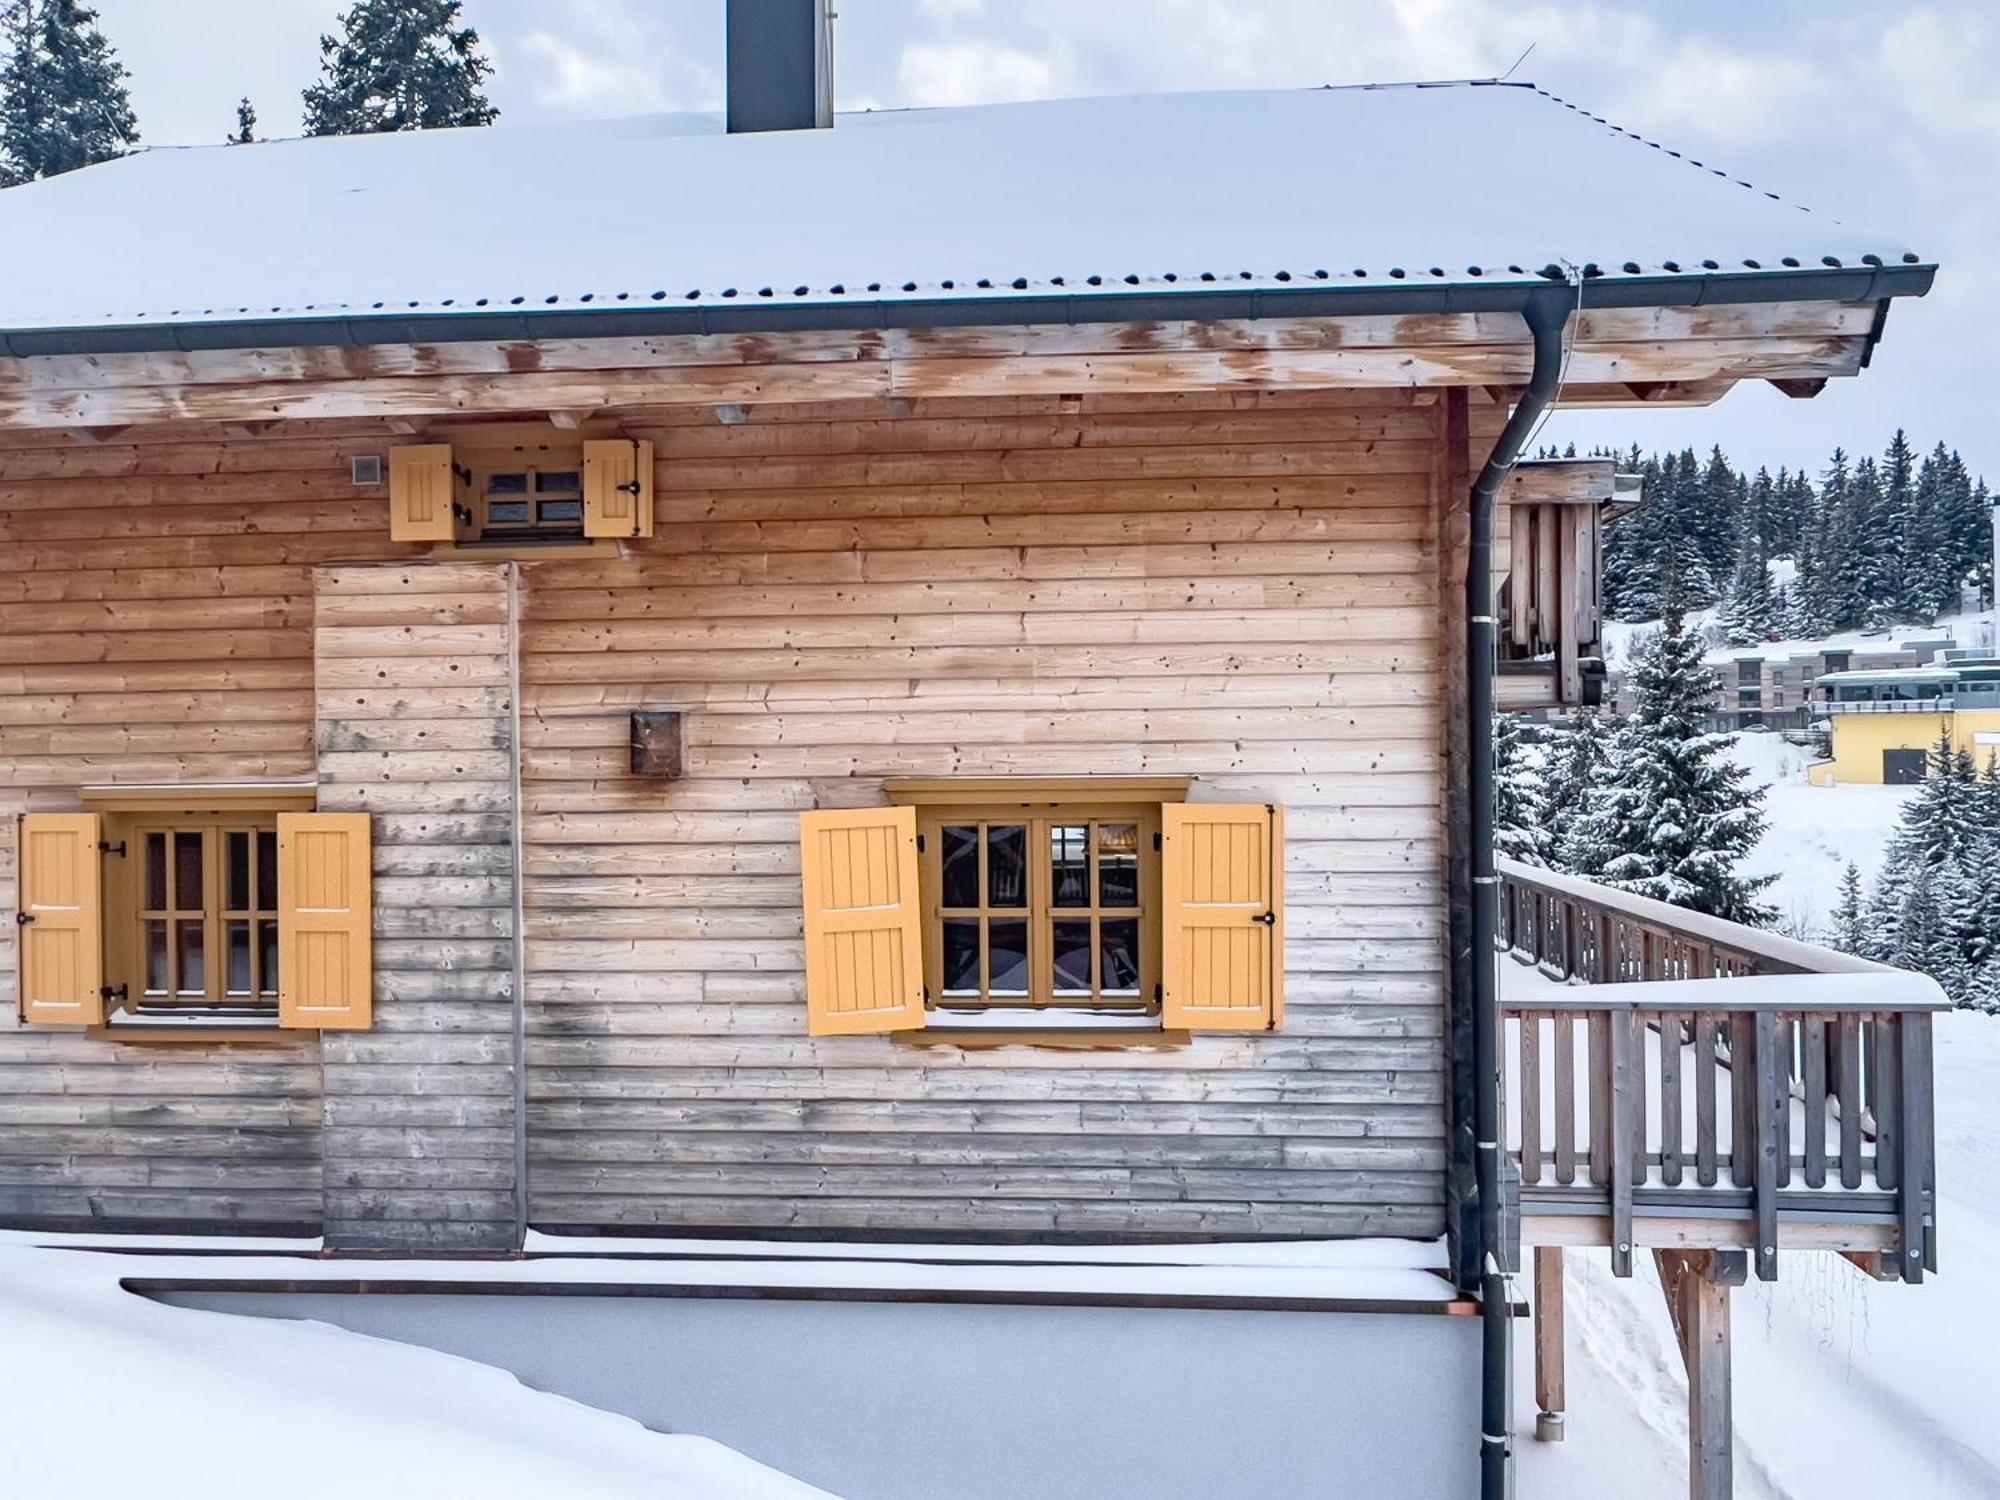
{"points": [[531, 459], [128, 814], [1040, 913]]}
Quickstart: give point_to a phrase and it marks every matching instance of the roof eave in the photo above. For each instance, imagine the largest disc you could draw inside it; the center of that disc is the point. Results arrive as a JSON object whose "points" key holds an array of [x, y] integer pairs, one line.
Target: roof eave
{"points": [[1877, 283]]}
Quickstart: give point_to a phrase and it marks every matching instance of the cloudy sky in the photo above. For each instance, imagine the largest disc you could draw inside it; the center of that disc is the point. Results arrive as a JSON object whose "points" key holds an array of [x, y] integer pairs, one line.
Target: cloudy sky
{"points": [[1885, 115]]}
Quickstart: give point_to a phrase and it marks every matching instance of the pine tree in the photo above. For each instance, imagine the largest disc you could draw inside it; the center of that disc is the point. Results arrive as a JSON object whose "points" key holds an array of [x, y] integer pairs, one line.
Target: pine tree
{"points": [[63, 100], [1890, 535], [1574, 768], [399, 65], [1850, 926], [1674, 816], [246, 125], [1520, 821], [1931, 909]]}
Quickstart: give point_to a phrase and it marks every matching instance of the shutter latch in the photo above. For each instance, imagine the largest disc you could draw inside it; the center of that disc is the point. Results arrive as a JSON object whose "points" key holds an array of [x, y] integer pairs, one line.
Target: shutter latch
{"points": [[629, 489], [1268, 918], [23, 918]]}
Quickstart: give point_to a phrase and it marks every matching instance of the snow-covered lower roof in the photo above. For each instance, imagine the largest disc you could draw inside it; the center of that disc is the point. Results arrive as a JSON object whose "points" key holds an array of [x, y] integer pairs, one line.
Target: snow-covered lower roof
{"points": [[1393, 186]]}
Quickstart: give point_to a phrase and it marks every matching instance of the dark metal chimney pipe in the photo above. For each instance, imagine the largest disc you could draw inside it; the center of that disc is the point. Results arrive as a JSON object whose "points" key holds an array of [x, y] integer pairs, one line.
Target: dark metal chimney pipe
{"points": [[780, 64]]}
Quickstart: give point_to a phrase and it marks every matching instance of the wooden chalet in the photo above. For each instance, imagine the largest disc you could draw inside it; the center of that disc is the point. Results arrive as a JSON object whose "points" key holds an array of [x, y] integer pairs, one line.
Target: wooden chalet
{"points": [[911, 679]]}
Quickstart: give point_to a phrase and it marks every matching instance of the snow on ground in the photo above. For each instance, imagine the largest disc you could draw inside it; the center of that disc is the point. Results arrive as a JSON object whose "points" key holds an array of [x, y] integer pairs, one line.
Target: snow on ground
{"points": [[1813, 832], [106, 1393], [1844, 1386]]}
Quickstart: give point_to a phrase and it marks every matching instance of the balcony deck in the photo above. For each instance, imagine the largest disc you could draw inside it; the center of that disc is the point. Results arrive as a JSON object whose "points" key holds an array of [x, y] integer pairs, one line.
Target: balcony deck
{"points": [[1712, 1093]]}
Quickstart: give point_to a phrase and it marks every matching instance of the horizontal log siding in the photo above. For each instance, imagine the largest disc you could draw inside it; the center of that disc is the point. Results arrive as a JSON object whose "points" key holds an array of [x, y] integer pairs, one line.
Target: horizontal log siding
{"points": [[156, 625], [415, 725], [1239, 588]]}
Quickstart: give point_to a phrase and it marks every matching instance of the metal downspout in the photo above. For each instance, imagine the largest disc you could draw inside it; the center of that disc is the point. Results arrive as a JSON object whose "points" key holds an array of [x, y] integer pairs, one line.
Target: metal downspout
{"points": [[1547, 315]]}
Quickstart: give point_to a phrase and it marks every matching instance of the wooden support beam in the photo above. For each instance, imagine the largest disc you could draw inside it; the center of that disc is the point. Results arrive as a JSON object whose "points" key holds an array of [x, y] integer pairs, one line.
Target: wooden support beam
{"points": [[1802, 390], [1551, 1400], [1874, 1264], [1697, 1285]]}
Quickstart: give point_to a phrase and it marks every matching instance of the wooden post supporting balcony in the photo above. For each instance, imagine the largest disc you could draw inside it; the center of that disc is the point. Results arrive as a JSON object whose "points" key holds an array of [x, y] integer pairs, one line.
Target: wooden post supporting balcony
{"points": [[1551, 1396], [1697, 1285]]}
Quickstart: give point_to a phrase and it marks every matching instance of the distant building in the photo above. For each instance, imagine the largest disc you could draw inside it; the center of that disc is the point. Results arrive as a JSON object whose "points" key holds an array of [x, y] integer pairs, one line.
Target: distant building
{"points": [[1884, 723]]}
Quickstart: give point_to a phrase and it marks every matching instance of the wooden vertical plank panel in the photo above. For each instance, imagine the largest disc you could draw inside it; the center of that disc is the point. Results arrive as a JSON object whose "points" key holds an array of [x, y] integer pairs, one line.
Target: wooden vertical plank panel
{"points": [[863, 936], [1565, 1097], [1848, 1061], [1220, 949], [1531, 1098], [1888, 1099], [1521, 575], [1771, 1100], [1706, 1123], [423, 489], [1742, 1100], [1813, 1102], [1672, 1157], [1598, 1035], [1620, 1077], [1916, 1203], [1568, 611]]}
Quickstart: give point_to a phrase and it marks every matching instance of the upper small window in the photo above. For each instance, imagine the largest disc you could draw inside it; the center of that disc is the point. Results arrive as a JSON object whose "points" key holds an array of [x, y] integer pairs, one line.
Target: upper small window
{"points": [[524, 495], [521, 488]]}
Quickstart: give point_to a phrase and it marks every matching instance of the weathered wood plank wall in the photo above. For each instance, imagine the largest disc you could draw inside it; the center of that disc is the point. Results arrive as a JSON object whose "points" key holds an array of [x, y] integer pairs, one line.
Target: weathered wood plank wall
{"points": [[155, 625], [1244, 588], [413, 667]]}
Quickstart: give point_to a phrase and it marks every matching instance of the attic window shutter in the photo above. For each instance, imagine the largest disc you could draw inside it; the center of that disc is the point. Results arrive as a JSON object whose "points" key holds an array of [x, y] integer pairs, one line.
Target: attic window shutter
{"points": [[61, 931], [617, 487], [326, 976], [1223, 937], [864, 951], [422, 491]]}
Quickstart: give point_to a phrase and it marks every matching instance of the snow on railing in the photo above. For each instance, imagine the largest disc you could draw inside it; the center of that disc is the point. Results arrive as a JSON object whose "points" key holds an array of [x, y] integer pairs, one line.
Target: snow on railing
{"points": [[1728, 1079]]}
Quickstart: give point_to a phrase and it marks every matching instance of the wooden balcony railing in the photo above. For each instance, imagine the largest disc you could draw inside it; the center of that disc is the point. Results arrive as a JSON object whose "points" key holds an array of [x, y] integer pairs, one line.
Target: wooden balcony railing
{"points": [[1700, 1084]]}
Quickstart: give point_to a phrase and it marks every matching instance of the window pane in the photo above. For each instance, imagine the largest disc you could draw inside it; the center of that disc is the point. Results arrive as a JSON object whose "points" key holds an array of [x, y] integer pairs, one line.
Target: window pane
{"points": [[960, 854], [1118, 864], [194, 971], [559, 482], [1069, 859], [156, 872], [1009, 942], [236, 936], [236, 859], [1072, 958], [267, 871], [961, 956], [267, 958], [506, 513], [1007, 866], [562, 510], [156, 958], [507, 484], [1118, 955], [187, 871]]}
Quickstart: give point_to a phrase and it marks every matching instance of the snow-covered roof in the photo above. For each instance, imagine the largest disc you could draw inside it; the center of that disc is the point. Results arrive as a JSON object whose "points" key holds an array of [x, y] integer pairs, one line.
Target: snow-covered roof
{"points": [[1381, 187]]}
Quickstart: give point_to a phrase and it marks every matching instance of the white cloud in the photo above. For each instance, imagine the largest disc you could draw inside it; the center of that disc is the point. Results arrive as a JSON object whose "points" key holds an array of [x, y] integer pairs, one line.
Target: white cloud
{"points": [[606, 58], [576, 82], [950, 10], [980, 72]]}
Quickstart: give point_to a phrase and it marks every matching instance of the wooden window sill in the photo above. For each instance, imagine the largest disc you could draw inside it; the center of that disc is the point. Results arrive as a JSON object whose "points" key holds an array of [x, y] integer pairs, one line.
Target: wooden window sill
{"points": [[1065, 1039], [206, 1033]]}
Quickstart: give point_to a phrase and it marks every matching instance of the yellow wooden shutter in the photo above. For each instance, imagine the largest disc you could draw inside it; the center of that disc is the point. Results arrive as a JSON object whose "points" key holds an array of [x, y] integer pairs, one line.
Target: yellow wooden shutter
{"points": [[61, 931], [1222, 870], [422, 487], [617, 488], [864, 948], [326, 972]]}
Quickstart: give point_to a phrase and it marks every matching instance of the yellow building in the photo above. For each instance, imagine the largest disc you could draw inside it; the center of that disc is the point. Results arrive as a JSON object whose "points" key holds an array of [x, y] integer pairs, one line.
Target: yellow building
{"points": [[1885, 723]]}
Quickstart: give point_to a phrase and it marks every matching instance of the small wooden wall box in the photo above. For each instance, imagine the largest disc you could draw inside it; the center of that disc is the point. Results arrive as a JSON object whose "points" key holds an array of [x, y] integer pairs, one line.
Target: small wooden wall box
{"points": [[656, 743]]}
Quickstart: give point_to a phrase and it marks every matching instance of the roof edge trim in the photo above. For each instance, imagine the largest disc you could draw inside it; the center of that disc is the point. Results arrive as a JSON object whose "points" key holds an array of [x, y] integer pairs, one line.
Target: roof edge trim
{"points": [[1855, 284]]}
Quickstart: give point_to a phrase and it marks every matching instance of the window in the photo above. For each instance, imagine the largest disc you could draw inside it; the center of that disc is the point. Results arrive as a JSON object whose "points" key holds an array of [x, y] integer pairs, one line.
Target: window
{"points": [[520, 485], [195, 916], [1043, 906], [1749, 672], [1105, 903], [528, 493], [1837, 661], [172, 907]]}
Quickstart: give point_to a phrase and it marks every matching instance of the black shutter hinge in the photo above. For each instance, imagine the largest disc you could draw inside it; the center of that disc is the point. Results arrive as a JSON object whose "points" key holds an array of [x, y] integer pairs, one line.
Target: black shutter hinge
{"points": [[920, 843], [461, 513], [113, 992], [1159, 994], [1158, 841], [105, 846]]}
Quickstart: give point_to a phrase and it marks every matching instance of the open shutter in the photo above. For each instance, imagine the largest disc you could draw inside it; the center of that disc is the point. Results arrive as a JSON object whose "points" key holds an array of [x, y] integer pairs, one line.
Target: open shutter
{"points": [[864, 949], [422, 487], [326, 972], [1222, 870], [617, 487], [61, 924]]}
